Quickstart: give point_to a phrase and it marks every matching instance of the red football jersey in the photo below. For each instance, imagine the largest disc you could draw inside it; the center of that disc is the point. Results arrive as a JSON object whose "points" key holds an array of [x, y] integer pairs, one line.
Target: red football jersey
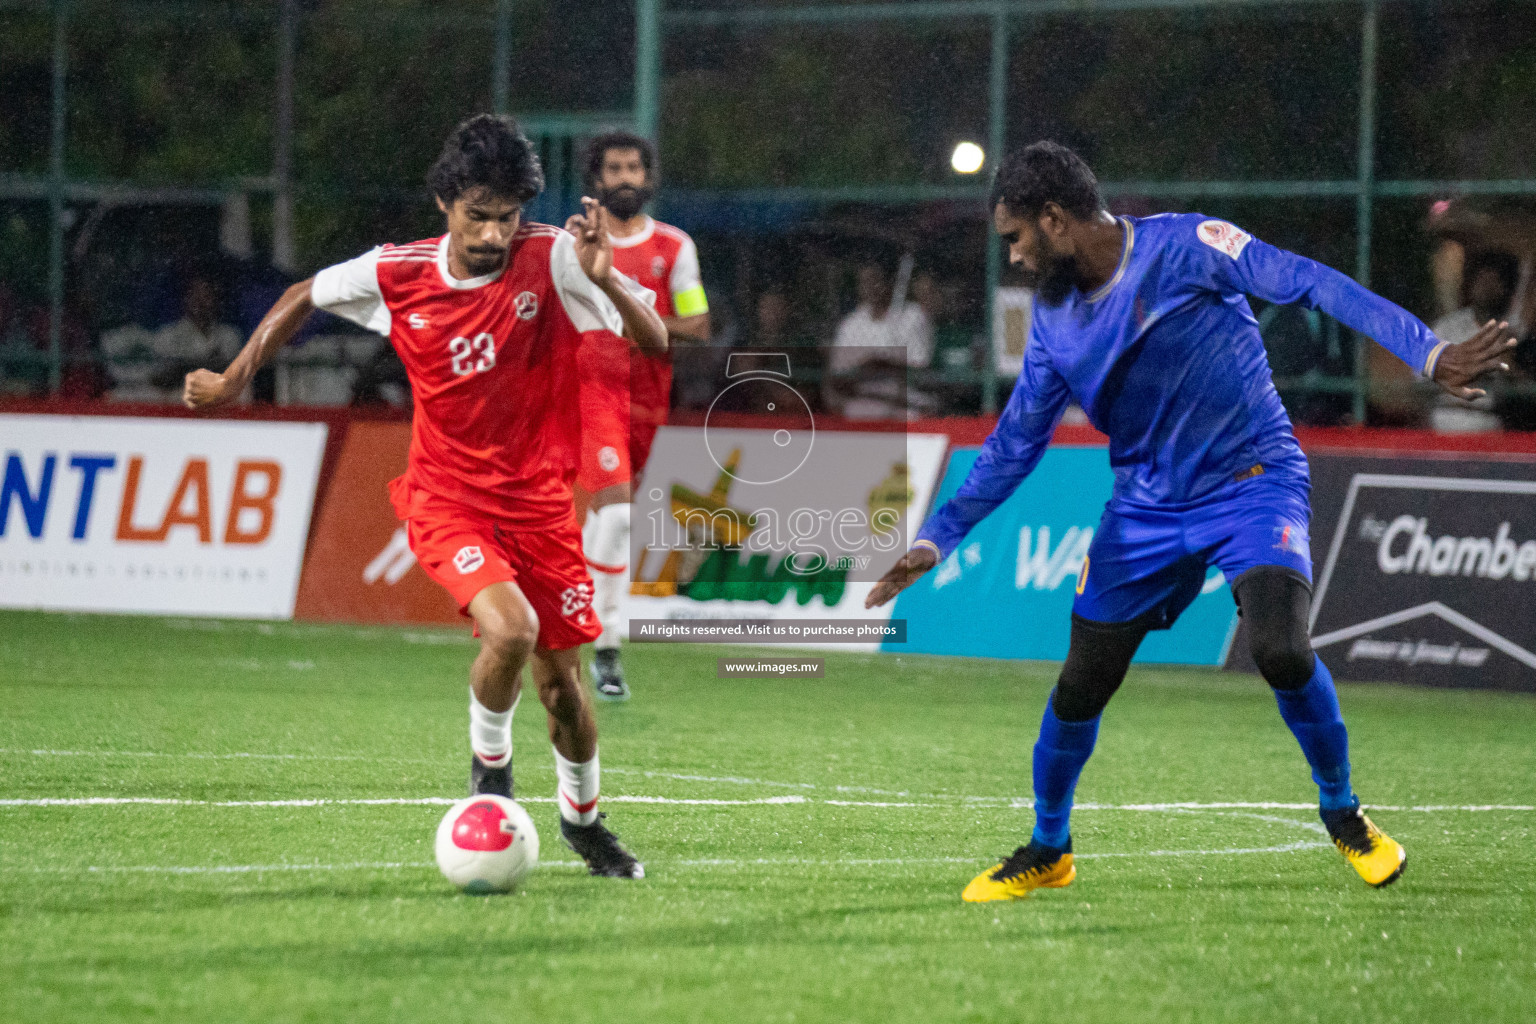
{"points": [[492, 366], [664, 260]]}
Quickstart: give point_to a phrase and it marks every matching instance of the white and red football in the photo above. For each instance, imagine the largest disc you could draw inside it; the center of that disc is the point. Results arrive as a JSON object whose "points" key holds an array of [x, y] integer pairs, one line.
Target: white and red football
{"points": [[486, 843]]}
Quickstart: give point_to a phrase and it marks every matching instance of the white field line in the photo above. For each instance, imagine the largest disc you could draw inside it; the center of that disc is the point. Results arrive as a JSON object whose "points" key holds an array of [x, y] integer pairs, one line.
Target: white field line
{"points": [[206, 756], [630, 798], [200, 756], [708, 862], [914, 799], [251, 869], [427, 801]]}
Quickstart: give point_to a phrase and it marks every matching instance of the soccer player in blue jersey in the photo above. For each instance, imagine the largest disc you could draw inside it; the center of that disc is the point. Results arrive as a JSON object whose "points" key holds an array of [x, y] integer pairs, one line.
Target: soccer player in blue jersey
{"points": [[1143, 323]]}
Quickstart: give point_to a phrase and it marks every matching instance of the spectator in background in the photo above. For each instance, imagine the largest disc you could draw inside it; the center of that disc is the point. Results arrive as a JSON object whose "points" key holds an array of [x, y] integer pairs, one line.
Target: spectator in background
{"points": [[881, 320], [382, 381], [255, 287], [875, 345], [771, 326], [1489, 283], [25, 357], [198, 339], [17, 354]]}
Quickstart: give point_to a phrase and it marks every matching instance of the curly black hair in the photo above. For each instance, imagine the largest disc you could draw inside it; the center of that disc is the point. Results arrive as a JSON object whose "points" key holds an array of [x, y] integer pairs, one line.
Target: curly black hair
{"points": [[598, 149], [489, 153], [1046, 172]]}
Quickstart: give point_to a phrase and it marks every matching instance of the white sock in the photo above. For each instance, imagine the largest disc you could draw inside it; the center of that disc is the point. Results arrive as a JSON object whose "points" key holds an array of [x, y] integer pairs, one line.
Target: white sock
{"points": [[490, 732], [578, 789], [605, 539]]}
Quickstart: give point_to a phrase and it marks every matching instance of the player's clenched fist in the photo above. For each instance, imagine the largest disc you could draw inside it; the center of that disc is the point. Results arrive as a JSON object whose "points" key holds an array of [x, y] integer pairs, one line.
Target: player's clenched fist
{"points": [[205, 389], [902, 575]]}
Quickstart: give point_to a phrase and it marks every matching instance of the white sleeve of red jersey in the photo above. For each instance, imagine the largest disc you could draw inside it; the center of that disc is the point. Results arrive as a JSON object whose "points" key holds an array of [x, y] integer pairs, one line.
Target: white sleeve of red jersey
{"points": [[351, 290], [584, 302], [685, 269]]}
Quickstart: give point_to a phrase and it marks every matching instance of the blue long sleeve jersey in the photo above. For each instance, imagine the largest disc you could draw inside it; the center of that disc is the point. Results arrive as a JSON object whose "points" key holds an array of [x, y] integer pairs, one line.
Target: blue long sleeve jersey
{"points": [[1166, 359]]}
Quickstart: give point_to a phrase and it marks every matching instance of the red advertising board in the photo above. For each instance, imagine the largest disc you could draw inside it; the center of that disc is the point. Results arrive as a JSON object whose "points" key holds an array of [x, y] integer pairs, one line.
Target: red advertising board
{"points": [[359, 567]]}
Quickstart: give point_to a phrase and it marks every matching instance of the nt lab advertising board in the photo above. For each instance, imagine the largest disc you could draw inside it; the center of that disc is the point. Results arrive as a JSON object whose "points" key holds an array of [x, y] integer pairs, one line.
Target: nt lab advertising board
{"points": [[160, 516]]}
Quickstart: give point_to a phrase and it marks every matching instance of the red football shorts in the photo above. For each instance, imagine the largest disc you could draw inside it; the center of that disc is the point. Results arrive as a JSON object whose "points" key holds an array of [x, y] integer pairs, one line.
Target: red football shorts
{"points": [[604, 415], [464, 552]]}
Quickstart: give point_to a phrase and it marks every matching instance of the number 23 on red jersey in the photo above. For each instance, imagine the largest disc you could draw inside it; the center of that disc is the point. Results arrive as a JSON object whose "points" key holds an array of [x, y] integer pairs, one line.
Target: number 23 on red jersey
{"points": [[472, 355]]}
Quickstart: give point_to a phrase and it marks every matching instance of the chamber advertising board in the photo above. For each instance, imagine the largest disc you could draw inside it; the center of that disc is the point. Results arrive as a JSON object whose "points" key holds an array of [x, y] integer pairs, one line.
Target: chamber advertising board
{"points": [[1424, 570], [159, 516], [1007, 591]]}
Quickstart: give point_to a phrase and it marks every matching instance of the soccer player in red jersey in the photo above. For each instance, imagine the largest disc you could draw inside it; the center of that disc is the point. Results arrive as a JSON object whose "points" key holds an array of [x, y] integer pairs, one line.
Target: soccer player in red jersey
{"points": [[488, 319], [624, 399]]}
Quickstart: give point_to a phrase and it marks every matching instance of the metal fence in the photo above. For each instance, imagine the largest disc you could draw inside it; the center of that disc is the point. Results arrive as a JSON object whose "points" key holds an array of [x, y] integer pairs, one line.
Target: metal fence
{"points": [[655, 24]]}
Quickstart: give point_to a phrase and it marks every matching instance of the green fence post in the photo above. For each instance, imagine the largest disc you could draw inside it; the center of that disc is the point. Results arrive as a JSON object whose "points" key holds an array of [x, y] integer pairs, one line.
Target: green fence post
{"points": [[56, 202], [501, 66], [997, 137], [647, 67], [1366, 175], [285, 254]]}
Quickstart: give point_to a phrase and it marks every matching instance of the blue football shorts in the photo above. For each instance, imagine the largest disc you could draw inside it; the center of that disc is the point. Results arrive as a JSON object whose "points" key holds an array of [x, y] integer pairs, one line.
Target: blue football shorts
{"points": [[1149, 562]]}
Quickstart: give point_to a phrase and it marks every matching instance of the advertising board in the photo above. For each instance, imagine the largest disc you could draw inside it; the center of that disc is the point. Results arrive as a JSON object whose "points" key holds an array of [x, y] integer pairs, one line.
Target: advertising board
{"points": [[1425, 570], [359, 567], [745, 523], [1007, 591], [156, 516]]}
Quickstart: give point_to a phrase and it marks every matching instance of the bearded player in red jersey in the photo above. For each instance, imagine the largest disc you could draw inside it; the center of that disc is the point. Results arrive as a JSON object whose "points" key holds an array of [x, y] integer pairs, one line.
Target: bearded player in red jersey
{"points": [[625, 399], [488, 319]]}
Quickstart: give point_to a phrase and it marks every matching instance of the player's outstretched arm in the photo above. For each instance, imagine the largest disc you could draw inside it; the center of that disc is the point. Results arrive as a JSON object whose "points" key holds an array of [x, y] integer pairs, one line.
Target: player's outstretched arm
{"points": [[907, 570], [594, 251], [1456, 367], [1009, 454], [205, 389], [1228, 258]]}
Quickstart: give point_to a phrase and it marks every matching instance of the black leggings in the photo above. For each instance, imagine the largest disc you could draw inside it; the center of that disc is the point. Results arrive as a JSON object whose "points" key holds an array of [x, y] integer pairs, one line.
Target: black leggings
{"points": [[1099, 654], [1274, 602]]}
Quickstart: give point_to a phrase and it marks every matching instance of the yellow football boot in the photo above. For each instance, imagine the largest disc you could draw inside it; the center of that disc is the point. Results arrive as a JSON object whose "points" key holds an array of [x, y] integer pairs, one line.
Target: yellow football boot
{"points": [[1031, 867], [1377, 857]]}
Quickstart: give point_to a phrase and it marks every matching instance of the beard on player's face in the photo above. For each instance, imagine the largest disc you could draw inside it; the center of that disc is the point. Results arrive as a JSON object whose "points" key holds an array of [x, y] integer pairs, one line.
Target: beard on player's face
{"points": [[1054, 275], [481, 260], [482, 226], [626, 200]]}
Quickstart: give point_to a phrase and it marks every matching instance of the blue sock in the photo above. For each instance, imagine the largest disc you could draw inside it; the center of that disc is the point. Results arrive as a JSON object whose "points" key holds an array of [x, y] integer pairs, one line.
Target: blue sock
{"points": [[1060, 753], [1312, 712]]}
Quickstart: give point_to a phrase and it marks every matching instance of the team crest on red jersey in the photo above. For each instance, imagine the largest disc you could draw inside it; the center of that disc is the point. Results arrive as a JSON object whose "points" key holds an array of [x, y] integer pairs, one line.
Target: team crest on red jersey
{"points": [[658, 266], [527, 305], [468, 559]]}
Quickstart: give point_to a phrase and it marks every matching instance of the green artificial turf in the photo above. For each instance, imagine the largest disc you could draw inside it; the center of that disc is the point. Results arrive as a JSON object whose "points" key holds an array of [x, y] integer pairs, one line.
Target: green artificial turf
{"points": [[903, 777]]}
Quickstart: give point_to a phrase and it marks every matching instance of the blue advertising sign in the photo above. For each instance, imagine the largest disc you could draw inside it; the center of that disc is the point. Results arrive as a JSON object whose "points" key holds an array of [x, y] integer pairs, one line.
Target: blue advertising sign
{"points": [[1007, 591]]}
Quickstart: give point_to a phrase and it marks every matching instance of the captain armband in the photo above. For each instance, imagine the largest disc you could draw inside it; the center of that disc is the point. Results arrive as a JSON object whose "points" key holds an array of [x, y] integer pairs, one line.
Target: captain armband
{"points": [[690, 302]]}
